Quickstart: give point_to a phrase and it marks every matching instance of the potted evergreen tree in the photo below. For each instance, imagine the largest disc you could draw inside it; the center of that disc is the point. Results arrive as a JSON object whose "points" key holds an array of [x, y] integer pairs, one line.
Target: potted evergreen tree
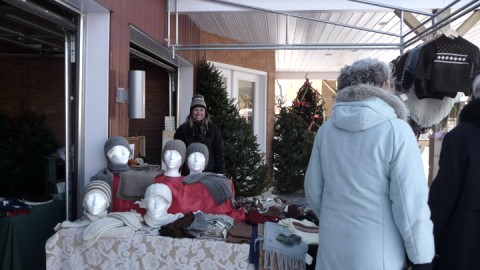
{"points": [[244, 163]]}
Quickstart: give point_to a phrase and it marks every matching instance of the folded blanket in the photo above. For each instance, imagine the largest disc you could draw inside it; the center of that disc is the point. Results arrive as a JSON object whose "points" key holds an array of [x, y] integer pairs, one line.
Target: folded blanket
{"points": [[304, 228], [283, 256], [241, 232]]}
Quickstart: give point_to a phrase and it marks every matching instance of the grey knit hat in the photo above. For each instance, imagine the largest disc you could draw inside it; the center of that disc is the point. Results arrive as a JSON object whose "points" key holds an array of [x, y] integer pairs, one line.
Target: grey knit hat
{"points": [[101, 187], [177, 145], [198, 101], [198, 147], [114, 141]]}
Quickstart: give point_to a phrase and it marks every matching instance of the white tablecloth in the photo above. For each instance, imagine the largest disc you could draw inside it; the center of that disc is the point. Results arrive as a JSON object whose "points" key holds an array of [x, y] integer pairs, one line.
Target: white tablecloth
{"points": [[145, 249]]}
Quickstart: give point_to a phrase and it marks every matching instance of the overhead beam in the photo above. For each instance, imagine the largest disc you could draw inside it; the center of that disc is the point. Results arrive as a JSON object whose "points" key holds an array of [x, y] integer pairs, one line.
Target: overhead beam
{"points": [[189, 6], [411, 21], [469, 23]]}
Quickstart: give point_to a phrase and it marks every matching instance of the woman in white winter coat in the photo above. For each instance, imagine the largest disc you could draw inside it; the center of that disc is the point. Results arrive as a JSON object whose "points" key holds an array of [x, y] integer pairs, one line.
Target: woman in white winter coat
{"points": [[365, 179]]}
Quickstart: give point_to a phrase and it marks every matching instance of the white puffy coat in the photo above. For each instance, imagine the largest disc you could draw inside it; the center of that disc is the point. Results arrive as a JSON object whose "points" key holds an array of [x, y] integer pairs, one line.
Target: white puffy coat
{"points": [[366, 183]]}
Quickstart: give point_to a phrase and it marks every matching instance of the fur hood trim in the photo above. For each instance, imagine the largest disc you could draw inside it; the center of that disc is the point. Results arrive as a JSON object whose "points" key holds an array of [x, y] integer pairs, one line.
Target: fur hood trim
{"points": [[366, 91]]}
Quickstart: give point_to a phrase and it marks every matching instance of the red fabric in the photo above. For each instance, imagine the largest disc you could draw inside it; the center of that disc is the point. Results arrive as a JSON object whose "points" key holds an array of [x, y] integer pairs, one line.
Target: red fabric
{"points": [[119, 205], [193, 197]]}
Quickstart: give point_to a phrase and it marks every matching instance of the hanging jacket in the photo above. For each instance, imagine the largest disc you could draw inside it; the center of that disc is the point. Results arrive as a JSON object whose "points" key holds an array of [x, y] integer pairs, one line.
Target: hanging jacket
{"points": [[442, 67], [366, 183]]}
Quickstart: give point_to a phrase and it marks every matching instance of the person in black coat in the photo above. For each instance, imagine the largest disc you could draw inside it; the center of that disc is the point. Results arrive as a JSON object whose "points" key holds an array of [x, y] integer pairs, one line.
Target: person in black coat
{"points": [[454, 197], [199, 128]]}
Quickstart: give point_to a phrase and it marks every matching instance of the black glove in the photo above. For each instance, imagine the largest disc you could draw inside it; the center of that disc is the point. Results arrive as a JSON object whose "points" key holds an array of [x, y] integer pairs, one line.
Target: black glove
{"points": [[423, 266]]}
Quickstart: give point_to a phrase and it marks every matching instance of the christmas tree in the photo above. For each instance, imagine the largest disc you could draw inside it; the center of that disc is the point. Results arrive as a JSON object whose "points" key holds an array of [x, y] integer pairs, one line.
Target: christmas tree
{"points": [[244, 164], [294, 133], [309, 106]]}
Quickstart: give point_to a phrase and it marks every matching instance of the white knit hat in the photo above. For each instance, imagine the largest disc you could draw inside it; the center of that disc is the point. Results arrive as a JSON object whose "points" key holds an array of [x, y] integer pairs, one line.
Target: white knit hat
{"points": [[156, 189]]}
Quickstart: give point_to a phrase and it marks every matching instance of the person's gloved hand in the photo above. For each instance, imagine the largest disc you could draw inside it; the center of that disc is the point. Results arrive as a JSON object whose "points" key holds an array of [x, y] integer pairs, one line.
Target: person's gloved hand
{"points": [[423, 266]]}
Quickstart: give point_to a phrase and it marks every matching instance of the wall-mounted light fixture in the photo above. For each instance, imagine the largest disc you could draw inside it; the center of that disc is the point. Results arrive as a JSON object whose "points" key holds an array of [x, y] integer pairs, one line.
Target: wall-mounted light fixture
{"points": [[135, 94]]}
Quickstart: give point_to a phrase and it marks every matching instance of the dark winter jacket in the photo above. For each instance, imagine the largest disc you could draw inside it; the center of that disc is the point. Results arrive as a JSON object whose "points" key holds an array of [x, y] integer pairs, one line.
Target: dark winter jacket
{"points": [[212, 139], [454, 196]]}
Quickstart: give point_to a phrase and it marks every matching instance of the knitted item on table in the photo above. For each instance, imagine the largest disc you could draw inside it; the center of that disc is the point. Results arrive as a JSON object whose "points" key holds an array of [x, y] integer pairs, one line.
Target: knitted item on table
{"points": [[82, 222], [254, 217], [95, 229], [282, 256], [178, 228], [241, 232], [217, 184], [117, 224], [304, 228], [218, 226], [199, 223], [130, 219]]}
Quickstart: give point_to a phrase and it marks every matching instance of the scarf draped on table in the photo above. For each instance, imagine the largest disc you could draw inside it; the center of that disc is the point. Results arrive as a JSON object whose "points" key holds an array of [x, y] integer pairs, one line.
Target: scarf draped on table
{"points": [[287, 257]]}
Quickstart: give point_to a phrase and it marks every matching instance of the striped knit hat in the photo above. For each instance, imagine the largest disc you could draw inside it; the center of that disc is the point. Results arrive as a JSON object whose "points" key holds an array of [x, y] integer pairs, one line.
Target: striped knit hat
{"points": [[99, 186], [198, 101]]}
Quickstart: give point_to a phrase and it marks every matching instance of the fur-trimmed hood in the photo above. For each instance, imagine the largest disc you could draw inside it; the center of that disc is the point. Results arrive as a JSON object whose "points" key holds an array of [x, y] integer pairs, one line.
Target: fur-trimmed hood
{"points": [[471, 112], [363, 106]]}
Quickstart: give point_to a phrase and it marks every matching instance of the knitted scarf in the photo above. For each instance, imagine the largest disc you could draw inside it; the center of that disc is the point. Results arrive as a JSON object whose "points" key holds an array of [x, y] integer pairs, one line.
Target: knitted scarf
{"points": [[217, 184]]}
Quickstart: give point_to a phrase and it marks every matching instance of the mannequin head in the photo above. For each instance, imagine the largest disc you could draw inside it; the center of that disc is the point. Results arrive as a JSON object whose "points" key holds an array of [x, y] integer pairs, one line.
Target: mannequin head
{"points": [[157, 200], [117, 151], [197, 157], [118, 154], [97, 197], [174, 153]]}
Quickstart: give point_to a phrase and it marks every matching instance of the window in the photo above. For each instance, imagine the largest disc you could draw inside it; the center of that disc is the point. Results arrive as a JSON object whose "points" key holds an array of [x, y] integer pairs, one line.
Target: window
{"points": [[249, 88]]}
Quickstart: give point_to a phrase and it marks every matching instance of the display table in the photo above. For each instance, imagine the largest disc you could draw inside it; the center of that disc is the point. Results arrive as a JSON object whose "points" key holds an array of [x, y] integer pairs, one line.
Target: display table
{"points": [[145, 249], [23, 237]]}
